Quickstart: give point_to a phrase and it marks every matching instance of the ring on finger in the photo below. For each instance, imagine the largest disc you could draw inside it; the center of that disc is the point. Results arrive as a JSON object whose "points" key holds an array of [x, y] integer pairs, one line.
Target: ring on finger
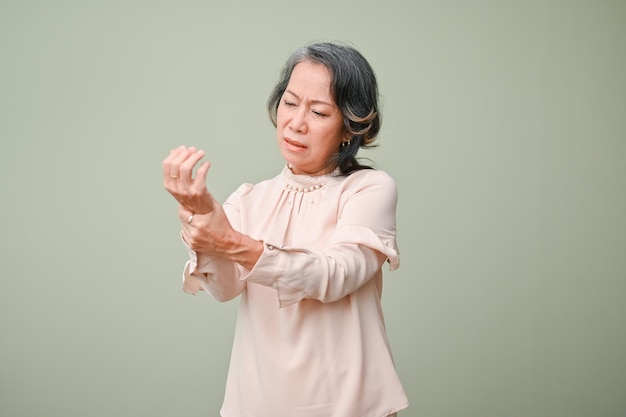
{"points": [[174, 176], [190, 219]]}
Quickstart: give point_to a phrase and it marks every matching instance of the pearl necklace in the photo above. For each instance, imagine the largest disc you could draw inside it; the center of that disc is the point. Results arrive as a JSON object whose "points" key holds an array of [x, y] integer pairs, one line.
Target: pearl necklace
{"points": [[305, 189]]}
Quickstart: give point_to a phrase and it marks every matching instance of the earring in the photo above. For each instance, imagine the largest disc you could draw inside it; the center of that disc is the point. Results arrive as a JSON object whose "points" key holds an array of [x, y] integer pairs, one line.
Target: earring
{"points": [[346, 144]]}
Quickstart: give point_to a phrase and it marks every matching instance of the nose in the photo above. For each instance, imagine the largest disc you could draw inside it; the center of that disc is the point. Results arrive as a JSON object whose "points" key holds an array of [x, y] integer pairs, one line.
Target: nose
{"points": [[298, 120]]}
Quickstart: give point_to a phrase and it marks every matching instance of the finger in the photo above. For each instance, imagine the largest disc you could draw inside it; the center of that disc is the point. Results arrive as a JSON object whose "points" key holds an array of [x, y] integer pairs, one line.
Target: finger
{"points": [[173, 183], [186, 237], [177, 159], [201, 173], [186, 219], [169, 170], [184, 214], [198, 188], [186, 167]]}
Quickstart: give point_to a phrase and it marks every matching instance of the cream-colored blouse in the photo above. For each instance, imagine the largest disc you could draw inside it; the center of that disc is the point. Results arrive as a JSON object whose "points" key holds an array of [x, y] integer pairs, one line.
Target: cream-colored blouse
{"points": [[310, 339]]}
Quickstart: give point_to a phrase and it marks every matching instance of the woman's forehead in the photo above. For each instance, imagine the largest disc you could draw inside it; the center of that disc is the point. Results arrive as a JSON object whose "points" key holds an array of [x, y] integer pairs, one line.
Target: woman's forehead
{"points": [[312, 79]]}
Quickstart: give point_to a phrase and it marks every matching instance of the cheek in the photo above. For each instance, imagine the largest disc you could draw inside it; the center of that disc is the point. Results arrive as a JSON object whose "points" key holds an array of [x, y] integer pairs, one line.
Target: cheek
{"points": [[279, 121], [280, 114]]}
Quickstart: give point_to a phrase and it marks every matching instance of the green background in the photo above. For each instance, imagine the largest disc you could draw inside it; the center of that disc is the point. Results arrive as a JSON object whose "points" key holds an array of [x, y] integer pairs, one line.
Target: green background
{"points": [[504, 126]]}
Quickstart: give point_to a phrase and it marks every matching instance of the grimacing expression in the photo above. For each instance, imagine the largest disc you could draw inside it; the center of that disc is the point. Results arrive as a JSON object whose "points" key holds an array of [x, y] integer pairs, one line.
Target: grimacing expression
{"points": [[309, 125]]}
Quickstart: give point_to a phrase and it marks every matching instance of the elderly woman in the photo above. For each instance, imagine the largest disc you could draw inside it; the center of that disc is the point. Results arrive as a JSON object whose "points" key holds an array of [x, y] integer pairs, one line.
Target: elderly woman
{"points": [[303, 250]]}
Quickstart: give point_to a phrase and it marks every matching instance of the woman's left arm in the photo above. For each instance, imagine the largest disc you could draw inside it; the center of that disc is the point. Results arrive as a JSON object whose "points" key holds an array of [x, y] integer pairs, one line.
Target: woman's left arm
{"points": [[361, 242]]}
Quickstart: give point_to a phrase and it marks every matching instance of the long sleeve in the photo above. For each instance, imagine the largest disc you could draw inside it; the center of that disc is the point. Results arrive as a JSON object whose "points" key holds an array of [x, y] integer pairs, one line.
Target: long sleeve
{"points": [[217, 276], [363, 239]]}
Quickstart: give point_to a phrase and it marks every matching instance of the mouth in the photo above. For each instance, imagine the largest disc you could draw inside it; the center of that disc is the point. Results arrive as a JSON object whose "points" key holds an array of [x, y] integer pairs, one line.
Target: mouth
{"points": [[294, 144]]}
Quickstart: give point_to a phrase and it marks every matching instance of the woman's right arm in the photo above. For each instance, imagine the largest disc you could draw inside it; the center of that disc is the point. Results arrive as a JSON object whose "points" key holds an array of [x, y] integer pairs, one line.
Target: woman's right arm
{"points": [[216, 250], [218, 276]]}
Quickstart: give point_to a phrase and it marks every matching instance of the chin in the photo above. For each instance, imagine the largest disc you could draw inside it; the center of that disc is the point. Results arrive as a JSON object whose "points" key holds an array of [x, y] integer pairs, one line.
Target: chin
{"points": [[289, 157]]}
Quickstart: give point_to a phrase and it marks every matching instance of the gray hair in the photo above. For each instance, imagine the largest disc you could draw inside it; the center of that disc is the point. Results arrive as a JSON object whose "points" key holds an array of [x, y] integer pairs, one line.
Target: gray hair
{"points": [[354, 89]]}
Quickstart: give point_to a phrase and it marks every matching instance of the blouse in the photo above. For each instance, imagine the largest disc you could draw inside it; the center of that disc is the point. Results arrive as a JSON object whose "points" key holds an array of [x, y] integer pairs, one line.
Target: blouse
{"points": [[310, 337]]}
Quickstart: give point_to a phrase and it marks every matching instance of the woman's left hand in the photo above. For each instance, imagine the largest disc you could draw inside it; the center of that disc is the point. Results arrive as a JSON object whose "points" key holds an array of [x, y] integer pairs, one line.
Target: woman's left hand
{"points": [[178, 179], [210, 233]]}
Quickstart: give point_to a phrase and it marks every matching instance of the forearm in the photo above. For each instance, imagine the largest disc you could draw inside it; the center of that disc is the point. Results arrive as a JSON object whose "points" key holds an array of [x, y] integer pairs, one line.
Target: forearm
{"points": [[339, 270], [212, 234], [326, 277], [241, 249]]}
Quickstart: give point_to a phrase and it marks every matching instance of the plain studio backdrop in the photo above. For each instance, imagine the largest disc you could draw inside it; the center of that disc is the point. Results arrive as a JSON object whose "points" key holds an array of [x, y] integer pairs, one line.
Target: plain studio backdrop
{"points": [[503, 124]]}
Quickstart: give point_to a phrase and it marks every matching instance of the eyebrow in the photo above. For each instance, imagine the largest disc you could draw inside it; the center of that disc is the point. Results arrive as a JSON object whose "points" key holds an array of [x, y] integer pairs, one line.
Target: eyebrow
{"points": [[312, 101]]}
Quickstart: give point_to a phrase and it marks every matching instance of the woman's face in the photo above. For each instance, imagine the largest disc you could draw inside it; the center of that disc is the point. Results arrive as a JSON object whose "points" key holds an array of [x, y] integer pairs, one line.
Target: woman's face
{"points": [[309, 125]]}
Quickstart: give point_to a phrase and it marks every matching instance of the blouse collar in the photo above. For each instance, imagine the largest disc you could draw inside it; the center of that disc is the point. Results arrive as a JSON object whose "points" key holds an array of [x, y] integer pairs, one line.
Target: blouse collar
{"points": [[307, 183]]}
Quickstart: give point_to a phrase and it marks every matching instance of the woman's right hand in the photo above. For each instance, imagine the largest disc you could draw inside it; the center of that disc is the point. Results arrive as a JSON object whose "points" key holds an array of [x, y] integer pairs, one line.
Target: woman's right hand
{"points": [[178, 179]]}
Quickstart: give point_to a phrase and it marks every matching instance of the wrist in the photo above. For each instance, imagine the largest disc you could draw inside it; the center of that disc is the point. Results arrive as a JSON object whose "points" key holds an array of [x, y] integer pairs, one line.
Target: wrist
{"points": [[244, 250]]}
